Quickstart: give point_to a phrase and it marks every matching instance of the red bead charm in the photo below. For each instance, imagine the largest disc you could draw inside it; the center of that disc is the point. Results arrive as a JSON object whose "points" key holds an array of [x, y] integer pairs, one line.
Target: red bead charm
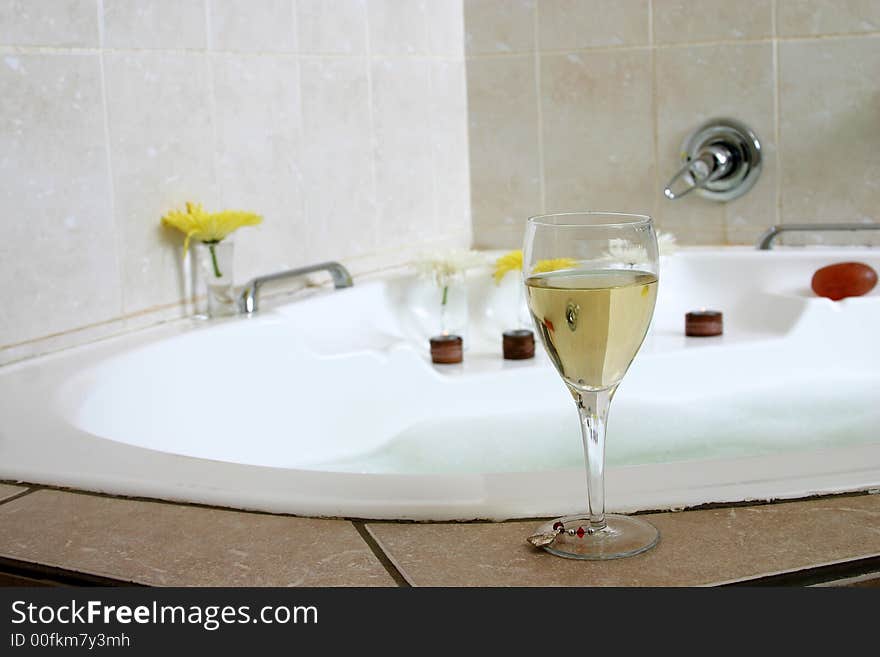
{"points": [[580, 532], [558, 526]]}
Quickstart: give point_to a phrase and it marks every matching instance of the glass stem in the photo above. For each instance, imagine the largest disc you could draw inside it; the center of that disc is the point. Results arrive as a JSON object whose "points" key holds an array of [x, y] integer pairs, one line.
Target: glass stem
{"points": [[593, 411], [444, 318], [211, 246]]}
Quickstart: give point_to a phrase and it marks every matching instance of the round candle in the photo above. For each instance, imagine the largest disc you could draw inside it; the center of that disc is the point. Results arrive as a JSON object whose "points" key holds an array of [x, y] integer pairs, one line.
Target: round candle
{"points": [[446, 349], [518, 344], [703, 323]]}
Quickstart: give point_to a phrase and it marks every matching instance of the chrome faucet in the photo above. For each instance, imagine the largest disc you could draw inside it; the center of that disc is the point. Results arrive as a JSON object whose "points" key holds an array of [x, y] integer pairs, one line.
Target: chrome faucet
{"points": [[765, 242], [721, 160], [247, 300]]}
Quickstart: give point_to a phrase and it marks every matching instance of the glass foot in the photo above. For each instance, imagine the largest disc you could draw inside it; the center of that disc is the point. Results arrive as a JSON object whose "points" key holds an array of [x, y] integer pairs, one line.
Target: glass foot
{"points": [[624, 536]]}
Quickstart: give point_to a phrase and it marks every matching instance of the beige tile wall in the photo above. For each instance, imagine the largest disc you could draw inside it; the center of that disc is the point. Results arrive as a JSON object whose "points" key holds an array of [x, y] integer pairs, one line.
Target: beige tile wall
{"points": [[583, 104], [369, 130], [343, 122]]}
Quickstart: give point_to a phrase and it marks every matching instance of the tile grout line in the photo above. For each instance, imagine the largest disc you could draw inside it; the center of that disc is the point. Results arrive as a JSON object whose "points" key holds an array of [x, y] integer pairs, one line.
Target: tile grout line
{"points": [[299, 172], [210, 59], [52, 49], [725, 230], [776, 105], [16, 496], [680, 45], [825, 572], [435, 111], [60, 576], [371, 121], [655, 119], [108, 151], [13, 49], [539, 108], [381, 554]]}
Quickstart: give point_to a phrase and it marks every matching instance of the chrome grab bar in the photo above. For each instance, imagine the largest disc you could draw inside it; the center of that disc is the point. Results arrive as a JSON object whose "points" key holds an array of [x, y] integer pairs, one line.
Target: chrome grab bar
{"points": [[247, 300], [765, 242]]}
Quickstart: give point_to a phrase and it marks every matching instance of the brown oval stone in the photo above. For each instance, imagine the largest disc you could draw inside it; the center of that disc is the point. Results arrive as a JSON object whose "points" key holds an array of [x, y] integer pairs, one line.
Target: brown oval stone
{"points": [[844, 279]]}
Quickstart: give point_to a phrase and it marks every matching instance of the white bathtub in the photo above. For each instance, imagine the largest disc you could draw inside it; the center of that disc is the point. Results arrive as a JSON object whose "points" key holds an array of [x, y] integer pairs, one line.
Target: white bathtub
{"points": [[329, 405]]}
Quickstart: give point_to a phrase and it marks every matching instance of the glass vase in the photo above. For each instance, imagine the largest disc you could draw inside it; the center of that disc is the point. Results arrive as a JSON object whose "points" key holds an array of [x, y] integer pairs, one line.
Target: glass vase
{"points": [[452, 310], [215, 266]]}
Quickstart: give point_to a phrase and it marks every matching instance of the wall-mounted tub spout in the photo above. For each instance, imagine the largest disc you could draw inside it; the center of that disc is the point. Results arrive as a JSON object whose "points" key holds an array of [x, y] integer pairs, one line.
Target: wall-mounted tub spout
{"points": [[247, 300], [765, 242], [722, 160]]}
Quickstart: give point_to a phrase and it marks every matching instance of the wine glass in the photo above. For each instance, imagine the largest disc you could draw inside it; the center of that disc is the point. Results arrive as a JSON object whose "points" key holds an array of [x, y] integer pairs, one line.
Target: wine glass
{"points": [[591, 285]]}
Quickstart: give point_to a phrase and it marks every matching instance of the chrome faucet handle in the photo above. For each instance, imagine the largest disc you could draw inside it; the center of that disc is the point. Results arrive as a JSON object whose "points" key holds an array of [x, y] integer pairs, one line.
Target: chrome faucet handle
{"points": [[710, 164], [722, 160]]}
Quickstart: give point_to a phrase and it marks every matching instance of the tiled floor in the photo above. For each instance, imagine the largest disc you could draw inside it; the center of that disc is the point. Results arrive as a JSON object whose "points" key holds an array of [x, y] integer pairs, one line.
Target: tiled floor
{"points": [[170, 544], [160, 543], [696, 547]]}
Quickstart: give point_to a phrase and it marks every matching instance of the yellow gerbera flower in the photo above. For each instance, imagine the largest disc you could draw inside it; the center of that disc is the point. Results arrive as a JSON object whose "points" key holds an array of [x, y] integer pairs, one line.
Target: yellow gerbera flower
{"points": [[209, 227], [543, 266], [512, 261]]}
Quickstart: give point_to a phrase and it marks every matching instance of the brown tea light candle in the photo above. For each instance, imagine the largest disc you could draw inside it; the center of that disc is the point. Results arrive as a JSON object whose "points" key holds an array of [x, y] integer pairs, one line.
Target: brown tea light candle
{"points": [[703, 323], [518, 344], [446, 349]]}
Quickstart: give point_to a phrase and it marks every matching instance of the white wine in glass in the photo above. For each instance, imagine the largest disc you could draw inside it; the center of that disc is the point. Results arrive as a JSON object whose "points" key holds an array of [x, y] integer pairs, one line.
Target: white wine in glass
{"points": [[591, 285]]}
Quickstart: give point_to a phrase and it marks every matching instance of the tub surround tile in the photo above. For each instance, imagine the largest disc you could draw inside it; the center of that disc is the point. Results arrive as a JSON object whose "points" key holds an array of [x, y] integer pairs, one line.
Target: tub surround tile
{"points": [[449, 150], [258, 163], [161, 157], [155, 24], [576, 24], [382, 261], [696, 547], [58, 246], [445, 20], [499, 26], [677, 21], [255, 25], [817, 17], [472, 153], [504, 236], [503, 134], [95, 332], [402, 107], [747, 217], [598, 131], [699, 222], [398, 27], [7, 491], [49, 23], [167, 544], [693, 87], [339, 182], [828, 109], [338, 27]]}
